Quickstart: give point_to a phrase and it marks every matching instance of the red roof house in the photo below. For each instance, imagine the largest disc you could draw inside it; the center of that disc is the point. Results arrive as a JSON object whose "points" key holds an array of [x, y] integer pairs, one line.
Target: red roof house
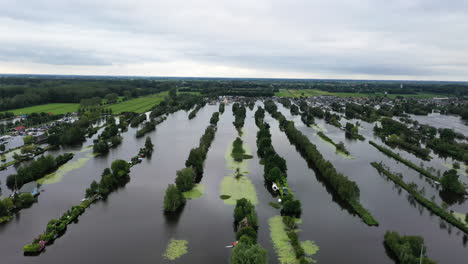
{"points": [[20, 128]]}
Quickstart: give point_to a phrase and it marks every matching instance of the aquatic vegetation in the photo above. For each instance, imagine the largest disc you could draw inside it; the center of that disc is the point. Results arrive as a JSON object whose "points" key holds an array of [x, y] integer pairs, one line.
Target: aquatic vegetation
{"points": [[461, 217], [236, 185], [283, 243], [195, 192], [37, 169], [463, 170], [284, 250], [58, 175], [237, 189], [176, 249], [238, 152], [310, 248], [224, 197]]}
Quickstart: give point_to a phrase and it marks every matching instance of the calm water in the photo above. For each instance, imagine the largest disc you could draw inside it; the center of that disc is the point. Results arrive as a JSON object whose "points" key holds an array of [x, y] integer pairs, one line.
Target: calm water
{"points": [[131, 227]]}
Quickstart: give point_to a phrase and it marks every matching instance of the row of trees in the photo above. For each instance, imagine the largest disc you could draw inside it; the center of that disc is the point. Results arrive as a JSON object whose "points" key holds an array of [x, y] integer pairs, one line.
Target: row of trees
{"points": [[238, 111], [36, 170], [175, 102], [275, 169], [291, 208], [192, 173], [238, 151], [111, 179], [137, 120], [339, 146], [195, 110], [247, 250], [346, 189], [221, 108], [407, 249], [412, 189]]}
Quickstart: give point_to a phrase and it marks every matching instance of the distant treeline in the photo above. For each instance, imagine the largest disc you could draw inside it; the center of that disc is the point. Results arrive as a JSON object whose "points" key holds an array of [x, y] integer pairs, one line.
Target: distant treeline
{"points": [[23, 92], [19, 91]]}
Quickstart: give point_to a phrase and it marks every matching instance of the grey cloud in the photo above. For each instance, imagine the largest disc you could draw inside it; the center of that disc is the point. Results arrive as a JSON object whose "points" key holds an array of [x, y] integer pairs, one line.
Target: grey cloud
{"points": [[366, 37]]}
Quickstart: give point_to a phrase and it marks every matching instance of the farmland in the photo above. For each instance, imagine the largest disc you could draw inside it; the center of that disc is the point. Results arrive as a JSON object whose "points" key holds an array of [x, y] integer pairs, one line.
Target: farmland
{"points": [[56, 109], [138, 105]]}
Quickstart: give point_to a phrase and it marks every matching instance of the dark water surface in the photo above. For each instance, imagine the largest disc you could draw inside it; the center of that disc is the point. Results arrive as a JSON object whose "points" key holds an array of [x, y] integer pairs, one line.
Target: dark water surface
{"points": [[130, 226]]}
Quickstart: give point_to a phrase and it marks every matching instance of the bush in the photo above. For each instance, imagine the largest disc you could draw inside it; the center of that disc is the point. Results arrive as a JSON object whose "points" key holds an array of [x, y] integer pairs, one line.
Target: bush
{"points": [[247, 231], [451, 183], [101, 147], [291, 208], [32, 248], [245, 210], [185, 179], [245, 253], [26, 199], [173, 199]]}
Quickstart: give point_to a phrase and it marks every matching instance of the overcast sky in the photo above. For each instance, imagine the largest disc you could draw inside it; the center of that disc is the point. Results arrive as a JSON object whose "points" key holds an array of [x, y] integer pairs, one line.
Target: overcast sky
{"points": [[355, 39]]}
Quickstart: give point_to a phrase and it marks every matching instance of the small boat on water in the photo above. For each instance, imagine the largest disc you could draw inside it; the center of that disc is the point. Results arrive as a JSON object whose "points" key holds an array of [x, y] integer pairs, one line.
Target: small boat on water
{"points": [[233, 244]]}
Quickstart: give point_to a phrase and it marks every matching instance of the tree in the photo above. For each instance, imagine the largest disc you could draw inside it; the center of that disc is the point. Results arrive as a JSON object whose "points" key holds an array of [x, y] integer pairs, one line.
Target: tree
{"points": [[291, 208], [101, 147], [111, 98], [26, 199], [451, 183], [173, 199], [245, 253], [127, 95], [148, 143], [173, 93], [274, 175], [195, 160], [120, 167], [247, 231], [185, 179], [28, 139]]}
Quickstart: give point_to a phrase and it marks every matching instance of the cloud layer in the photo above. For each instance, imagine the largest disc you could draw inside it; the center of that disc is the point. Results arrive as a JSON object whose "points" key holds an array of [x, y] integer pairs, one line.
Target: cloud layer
{"points": [[372, 39]]}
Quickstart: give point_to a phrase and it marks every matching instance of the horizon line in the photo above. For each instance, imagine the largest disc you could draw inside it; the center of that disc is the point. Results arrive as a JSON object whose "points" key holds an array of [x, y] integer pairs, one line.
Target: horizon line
{"points": [[227, 78]]}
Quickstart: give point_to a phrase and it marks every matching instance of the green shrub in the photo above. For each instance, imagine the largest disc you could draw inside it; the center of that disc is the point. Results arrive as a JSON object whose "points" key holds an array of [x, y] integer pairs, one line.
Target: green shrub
{"points": [[247, 231], [32, 248], [173, 199], [185, 179]]}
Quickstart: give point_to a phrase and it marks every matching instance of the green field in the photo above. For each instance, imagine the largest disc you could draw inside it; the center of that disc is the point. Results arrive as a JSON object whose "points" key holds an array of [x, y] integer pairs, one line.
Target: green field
{"points": [[56, 109], [141, 104], [315, 92], [138, 105]]}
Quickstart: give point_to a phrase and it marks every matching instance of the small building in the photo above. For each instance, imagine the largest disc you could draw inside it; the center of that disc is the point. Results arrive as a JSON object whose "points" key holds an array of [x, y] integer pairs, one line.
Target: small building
{"points": [[20, 128], [30, 187]]}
